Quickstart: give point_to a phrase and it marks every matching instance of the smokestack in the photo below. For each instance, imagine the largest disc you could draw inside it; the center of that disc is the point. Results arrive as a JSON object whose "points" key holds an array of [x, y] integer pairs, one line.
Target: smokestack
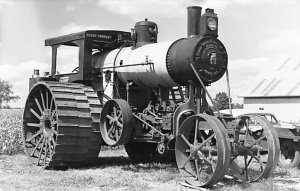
{"points": [[36, 73], [193, 21]]}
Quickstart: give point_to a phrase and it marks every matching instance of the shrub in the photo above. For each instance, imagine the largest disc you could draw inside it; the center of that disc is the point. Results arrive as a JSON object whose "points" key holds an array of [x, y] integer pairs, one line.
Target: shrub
{"points": [[11, 131]]}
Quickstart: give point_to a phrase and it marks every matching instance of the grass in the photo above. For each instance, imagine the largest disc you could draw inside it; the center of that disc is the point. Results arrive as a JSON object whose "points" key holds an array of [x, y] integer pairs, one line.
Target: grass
{"points": [[113, 170], [117, 174]]}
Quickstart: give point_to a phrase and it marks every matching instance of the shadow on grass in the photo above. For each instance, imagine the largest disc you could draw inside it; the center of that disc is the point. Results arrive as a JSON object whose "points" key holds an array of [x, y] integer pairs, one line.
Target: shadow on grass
{"points": [[123, 162]]}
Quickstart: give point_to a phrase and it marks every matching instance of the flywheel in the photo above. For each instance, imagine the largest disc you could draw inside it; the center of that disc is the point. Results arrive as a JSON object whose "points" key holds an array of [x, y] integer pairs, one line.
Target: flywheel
{"points": [[116, 122], [61, 124]]}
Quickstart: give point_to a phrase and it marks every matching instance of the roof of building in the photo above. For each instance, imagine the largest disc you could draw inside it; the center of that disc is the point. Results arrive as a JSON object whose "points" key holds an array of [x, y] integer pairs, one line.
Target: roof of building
{"points": [[281, 81]]}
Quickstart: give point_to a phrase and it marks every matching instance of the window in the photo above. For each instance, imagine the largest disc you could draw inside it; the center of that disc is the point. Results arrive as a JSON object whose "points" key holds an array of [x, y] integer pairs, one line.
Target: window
{"points": [[67, 59]]}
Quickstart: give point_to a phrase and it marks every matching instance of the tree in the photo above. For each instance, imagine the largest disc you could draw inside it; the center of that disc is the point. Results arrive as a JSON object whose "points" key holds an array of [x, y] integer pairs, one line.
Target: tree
{"points": [[221, 101], [237, 106], [6, 94]]}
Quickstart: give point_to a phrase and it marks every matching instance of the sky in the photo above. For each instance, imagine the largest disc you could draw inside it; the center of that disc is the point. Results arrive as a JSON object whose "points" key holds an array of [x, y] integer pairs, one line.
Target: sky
{"points": [[259, 35]]}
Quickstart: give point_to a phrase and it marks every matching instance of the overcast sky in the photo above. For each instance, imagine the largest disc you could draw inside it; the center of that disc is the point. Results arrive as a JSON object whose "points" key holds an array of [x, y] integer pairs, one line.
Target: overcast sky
{"points": [[258, 34]]}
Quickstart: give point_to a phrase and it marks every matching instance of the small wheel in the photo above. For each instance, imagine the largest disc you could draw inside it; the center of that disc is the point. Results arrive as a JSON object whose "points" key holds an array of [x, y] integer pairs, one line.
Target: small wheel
{"points": [[290, 154], [201, 150], [116, 122], [255, 151]]}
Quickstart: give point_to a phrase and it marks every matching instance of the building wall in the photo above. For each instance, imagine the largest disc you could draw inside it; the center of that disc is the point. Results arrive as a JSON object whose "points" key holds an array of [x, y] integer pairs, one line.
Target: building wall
{"points": [[286, 109]]}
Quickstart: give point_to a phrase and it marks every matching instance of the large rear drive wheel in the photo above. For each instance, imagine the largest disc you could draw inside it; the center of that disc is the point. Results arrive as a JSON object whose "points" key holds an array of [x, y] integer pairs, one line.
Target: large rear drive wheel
{"points": [[256, 150], [201, 150], [59, 125]]}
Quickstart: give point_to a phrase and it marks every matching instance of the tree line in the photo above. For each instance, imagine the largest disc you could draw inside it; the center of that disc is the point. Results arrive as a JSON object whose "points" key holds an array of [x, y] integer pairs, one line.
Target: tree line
{"points": [[6, 94], [221, 101]]}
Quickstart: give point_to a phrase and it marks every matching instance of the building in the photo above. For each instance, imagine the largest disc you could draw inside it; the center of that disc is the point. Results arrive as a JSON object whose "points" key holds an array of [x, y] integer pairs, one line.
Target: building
{"points": [[277, 92]]}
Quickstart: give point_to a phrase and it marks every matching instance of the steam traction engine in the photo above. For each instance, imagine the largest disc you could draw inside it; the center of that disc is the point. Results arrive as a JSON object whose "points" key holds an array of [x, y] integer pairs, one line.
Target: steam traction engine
{"points": [[130, 90]]}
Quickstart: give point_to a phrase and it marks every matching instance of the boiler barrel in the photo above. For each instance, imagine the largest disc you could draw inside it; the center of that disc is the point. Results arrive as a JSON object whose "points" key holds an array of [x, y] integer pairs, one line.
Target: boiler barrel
{"points": [[166, 64], [153, 74]]}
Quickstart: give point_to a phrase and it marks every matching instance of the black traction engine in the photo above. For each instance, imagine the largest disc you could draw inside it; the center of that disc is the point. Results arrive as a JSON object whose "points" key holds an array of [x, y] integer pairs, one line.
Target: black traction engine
{"points": [[128, 89]]}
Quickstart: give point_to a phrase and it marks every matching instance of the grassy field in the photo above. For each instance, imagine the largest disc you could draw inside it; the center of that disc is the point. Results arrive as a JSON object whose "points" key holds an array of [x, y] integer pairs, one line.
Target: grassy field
{"points": [[11, 131], [113, 171]]}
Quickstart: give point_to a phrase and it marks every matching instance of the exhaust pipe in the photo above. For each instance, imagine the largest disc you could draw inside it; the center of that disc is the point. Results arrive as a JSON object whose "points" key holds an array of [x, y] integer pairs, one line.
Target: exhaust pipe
{"points": [[193, 21]]}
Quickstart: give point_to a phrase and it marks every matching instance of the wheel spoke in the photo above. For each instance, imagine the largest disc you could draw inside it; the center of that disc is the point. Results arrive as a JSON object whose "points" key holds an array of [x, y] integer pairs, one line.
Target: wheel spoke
{"points": [[110, 130], [33, 136], [119, 124], [35, 114], [34, 125], [259, 161], [198, 147], [234, 157], [43, 102], [46, 151], [187, 160], [54, 131], [249, 161], [53, 113], [197, 169], [110, 117], [47, 99], [235, 168], [38, 104], [207, 160], [247, 131], [246, 167], [53, 123], [51, 103], [255, 142], [196, 130], [115, 111], [36, 146], [120, 115], [53, 142], [51, 148], [40, 154], [186, 170], [186, 141], [117, 134]]}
